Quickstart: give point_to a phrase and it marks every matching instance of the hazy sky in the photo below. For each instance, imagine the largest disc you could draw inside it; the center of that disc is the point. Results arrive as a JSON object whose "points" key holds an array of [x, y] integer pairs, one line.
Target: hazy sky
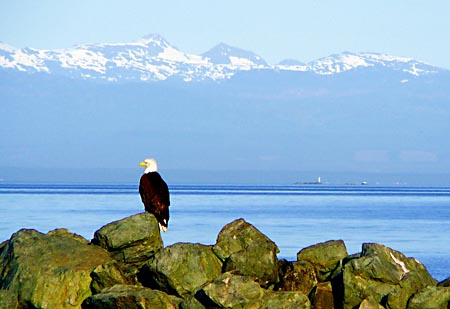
{"points": [[276, 30]]}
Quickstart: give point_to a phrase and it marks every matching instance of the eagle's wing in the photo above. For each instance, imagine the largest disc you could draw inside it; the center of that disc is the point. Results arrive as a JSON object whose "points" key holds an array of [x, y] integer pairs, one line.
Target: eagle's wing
{"points": [[155, 196]]}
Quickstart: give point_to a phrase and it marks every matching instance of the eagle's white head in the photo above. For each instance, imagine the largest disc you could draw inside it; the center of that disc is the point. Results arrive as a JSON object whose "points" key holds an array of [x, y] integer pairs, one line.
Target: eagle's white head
{"points": [[150, 165]]}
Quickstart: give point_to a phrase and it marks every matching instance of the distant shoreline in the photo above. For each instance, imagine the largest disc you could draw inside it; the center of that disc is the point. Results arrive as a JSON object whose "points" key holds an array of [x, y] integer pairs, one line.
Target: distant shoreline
{"points": [[221, 177]]}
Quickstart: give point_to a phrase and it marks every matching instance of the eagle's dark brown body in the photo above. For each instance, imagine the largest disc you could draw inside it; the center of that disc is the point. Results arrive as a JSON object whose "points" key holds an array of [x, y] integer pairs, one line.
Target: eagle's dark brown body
{"points": [[155, 196]]}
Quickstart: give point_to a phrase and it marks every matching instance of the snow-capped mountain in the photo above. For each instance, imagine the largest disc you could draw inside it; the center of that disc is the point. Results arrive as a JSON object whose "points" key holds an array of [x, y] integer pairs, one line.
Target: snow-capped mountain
{"points": [[225, 54], [152, 58], [346, 112], [347, 61]]}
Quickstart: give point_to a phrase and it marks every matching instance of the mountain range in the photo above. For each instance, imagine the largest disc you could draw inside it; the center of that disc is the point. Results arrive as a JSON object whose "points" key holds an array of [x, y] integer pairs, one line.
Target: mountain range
{"points": [[154, 59], [111, 105]]}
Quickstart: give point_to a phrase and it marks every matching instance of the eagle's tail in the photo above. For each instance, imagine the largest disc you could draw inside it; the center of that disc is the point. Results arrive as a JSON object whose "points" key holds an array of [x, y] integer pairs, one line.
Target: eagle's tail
{"points": [[162, 227]]}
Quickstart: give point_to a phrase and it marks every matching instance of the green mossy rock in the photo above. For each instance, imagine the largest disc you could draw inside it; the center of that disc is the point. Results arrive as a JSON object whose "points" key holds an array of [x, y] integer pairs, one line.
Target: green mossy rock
{"points": [[384, 274], [370, 303], [63, 270], [431, 298], [231, 291], [248, 252], [49, 270], [356, 288], [325, 257], [284, 299], [190, 302], [133, 239], [445, 283], [8, 299], [181, 269], [130, 297], [400, 266], [107, 275]]}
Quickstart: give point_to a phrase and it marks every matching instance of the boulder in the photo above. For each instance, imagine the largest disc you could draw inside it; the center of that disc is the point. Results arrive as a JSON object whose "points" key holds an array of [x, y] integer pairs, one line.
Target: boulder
{"points": [[431, 297], [49, 270], [385, 274], [246, 251], [129, 296], [230, 291], [322, 296], [370, 303], [282, 299], [107, 275], [325, 257], [399, 266], [298, 276], [133, 239], [445, 283], [181, 269]]}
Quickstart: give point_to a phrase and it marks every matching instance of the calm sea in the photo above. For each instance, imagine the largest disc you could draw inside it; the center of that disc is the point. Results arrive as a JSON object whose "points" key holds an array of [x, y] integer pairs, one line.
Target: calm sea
{"points": [[413, 220]]}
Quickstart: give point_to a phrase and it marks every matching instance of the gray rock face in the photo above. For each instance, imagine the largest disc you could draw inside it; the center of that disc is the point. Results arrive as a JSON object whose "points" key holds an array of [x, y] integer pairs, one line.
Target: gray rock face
{"points": [[181, 269], [49, 270], [246, 251], [133, 239]]}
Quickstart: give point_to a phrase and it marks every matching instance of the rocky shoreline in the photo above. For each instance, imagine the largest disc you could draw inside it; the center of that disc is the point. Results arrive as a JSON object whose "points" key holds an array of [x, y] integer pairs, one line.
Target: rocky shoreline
{"points": [[127, 266]]}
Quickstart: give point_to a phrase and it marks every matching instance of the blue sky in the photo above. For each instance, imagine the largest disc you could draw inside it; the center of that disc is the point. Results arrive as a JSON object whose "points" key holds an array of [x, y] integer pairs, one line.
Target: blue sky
{"points": [[276, 30]]}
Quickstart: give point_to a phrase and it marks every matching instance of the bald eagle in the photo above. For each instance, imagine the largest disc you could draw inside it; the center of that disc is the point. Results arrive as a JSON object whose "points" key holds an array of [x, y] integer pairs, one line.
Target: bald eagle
{"points": [[154, 193]]}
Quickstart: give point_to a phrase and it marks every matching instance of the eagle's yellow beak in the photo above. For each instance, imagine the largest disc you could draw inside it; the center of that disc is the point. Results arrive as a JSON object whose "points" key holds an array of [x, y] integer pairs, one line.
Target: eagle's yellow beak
{"points": [[143, 163]]}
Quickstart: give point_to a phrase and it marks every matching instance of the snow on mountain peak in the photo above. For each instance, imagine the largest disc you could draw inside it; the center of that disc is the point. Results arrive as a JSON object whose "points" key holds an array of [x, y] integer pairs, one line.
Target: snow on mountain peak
{"points": [[347, 61], [7, 47], [154, 39], [226, 54], [153, 58]]}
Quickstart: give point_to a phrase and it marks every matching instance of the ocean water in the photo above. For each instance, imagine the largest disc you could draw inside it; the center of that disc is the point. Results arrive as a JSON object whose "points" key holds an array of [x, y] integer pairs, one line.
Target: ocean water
{"points": [[412, 220]]}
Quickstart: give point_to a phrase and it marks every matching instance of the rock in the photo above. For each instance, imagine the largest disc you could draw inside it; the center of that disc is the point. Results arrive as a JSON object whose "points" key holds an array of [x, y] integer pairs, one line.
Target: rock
{"points": [[181, 269], [370, 303], [248, 252], [49, 270], [399, 266], [128, 296], [325, 257], [190, 302], [385, 274], [322, 296], [62, 270], [445, 283], [283, 299], [8, 299], [298, 276], [431, 298], [133, 239], [107, 275], [230, 291]]}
